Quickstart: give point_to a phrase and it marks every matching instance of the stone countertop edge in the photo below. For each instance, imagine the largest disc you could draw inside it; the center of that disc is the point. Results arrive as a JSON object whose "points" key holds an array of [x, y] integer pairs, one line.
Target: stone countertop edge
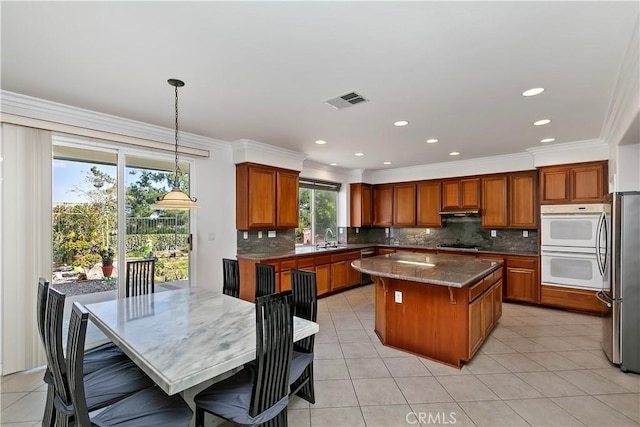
{"points": [[353, 246], [431, 281]]}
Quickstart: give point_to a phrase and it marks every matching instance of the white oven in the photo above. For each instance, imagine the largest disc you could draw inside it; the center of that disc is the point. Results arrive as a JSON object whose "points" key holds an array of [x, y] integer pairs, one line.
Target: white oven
{"points": [[569, 236], [571, 269]]}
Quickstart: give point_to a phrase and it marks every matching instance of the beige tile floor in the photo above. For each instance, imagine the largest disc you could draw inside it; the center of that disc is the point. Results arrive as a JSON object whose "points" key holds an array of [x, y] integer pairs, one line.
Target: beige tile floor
{"points": [[539, 367]]}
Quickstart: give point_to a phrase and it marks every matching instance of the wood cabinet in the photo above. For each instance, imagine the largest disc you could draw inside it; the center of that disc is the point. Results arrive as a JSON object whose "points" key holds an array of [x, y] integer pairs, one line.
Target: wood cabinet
{"points": [[266, 197], [522, 282], [342, 274], [428, 202], [485, 308], [509, 200], [573, 183], [572, 299], [404, 204], [361, 198], [383, 205], [463, 193], [323, 278]]}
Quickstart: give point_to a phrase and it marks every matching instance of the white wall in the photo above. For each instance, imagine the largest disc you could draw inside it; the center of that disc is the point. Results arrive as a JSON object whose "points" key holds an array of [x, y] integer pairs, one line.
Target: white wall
{"points": [[627, 170]]}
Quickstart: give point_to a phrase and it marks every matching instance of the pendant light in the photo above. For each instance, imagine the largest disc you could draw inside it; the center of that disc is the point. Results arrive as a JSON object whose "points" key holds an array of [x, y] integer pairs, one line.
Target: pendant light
{"points": [[176, 198]]}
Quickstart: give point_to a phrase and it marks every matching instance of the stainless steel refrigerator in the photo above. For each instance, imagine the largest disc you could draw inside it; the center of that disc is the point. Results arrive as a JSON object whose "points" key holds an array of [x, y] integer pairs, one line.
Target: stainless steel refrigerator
{"points": [[618, 253]]}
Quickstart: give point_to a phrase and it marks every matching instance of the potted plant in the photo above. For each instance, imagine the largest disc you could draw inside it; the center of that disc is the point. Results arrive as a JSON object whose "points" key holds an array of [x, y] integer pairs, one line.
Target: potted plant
{"points": [[107, 255]]}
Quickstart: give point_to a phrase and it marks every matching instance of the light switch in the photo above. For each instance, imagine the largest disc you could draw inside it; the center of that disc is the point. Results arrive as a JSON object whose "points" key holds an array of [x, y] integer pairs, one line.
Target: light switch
{"points": [[398, 296], [494, 233], [259, 234], [525, 233], [245, 235], [357, 230]]}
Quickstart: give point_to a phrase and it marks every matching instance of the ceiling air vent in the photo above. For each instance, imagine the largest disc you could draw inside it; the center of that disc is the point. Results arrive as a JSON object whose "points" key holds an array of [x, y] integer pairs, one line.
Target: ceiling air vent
{"points": [[344, 101]]}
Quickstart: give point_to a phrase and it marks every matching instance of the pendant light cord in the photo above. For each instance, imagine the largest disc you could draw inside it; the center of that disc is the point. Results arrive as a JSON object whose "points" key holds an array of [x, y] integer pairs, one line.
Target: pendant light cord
{"points": [[176, 182]]}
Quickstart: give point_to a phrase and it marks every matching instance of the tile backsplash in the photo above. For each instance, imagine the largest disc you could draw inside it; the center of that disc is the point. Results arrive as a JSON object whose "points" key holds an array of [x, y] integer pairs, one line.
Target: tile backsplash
{"points": [[284, 241]]}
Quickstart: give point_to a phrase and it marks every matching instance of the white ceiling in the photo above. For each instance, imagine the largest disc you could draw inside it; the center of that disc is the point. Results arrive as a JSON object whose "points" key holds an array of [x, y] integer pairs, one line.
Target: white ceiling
{"points": [[262, 70]]}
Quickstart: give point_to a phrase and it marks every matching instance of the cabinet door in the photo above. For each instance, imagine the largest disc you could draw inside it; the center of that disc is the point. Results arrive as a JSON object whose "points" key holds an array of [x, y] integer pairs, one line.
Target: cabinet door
{"points": [[470, 193], [428, 204], [383, 205], [450, 194], [287, 198], [262, 202], [521, 284], [494, 201], [338, 275], [554, 185], [523, 209], [360, 205], [285, 281], [404, 204], [476, 331], [587, 183], [353, 275], [497, 301], [367, 204], [323, 278]]}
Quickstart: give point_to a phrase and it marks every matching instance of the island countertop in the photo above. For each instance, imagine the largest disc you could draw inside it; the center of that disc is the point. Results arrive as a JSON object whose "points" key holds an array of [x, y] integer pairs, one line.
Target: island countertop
{"points": [[443, 270]]}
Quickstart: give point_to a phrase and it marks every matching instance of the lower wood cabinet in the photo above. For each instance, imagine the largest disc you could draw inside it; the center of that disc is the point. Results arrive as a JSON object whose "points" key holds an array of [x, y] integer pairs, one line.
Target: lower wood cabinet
{"points": [[484, 310], [522, 279], [323, 278], [569, 298]]}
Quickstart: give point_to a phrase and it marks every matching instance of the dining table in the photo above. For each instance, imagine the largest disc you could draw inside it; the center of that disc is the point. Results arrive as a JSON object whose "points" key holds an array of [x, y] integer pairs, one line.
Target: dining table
{"points": [[184, 337]]}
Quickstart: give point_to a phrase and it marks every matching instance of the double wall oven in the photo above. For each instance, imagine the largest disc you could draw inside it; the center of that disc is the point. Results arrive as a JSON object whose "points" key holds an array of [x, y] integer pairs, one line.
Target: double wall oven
{"points": [[571, 238]]}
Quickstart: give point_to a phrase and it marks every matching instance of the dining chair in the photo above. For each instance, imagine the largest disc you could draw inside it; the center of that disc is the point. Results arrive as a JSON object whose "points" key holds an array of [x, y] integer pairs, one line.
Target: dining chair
{"points": [[259, 393], [305, 305], [103, 387], [147, 407], [231, 277], [140, 277], [265, 280]]}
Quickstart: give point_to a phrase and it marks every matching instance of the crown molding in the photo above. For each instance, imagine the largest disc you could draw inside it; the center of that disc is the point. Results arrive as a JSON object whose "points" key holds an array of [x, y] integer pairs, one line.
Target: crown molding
{"points": [[35, 108], [570, 152], [246, 150], [624, 104], [318, 170]]}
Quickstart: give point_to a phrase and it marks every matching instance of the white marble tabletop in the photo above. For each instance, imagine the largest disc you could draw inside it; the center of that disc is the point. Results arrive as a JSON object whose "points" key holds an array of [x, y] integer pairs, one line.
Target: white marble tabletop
{"points": [[184, 337]]}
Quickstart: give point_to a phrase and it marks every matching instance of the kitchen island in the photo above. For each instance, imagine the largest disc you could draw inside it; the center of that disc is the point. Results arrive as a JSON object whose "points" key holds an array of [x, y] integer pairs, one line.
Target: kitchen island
{"points": [[436, 306]]}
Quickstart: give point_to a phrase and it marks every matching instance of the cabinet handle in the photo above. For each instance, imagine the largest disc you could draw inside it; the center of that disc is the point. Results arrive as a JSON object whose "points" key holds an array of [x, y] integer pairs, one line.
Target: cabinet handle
{"points": [[607, 303]]}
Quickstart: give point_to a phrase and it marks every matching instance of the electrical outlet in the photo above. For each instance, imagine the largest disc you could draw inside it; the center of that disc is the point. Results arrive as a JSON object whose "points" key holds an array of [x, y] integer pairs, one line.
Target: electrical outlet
{"points": [[386, 231], [245, 235], [271, 233], [494, 233], [428, 231], [357, 230], [398, 296], [340, 230], [525, 233], [259, 234]]}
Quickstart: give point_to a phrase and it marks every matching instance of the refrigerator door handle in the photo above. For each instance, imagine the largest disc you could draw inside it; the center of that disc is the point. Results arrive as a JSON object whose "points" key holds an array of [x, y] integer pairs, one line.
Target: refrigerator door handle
{"points": [[601, 265], [598, 296]]}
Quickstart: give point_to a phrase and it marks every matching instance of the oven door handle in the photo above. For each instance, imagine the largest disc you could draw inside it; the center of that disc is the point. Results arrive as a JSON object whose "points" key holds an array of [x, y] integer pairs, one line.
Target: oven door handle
{"points": [[602, 300]]}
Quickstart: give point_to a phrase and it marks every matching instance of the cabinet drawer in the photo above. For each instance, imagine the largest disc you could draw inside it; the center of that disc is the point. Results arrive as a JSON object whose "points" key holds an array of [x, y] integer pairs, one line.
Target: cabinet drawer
{"points": [[522, 262], [346, 256], [476, 289], [322, 259], [288, 264], [276, 264], [305, 262]]}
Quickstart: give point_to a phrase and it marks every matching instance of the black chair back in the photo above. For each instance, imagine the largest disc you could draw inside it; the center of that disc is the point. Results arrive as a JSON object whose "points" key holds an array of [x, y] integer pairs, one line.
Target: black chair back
{"points": [[43, 291], [265, 280], [231, 277], [75, 351], [140, 277], [274, 349], [48, 418], [305, 303]]}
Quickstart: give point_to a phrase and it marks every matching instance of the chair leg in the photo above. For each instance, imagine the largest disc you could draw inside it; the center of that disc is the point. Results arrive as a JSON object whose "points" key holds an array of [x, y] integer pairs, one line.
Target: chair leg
{"points": [[307, 391], [49, 417], [199, 417], [62, 420], [279, 420]]}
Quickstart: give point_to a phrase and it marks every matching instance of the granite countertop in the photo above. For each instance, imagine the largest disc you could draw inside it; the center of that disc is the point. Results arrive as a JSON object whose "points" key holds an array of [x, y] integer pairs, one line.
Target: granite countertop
{"points": [[443, 270], [470, 252], [306, 250]]}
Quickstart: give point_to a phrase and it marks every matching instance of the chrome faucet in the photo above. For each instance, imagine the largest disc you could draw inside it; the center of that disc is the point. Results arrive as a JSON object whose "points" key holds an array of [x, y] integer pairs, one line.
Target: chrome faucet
{"points": [[326, 233]]}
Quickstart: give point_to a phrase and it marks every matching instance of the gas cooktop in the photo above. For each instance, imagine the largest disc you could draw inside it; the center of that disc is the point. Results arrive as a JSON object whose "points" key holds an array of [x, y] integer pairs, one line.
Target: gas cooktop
{"points": [[457, 246]]}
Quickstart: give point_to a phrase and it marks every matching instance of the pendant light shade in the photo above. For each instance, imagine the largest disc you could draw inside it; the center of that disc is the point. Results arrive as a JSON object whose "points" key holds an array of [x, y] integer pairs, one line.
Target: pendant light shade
{"points": [[176, 198]]}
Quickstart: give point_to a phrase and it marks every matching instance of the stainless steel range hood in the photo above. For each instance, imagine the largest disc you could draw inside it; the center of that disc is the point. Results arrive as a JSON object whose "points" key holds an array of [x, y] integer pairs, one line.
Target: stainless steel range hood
{"points": [[461, 212]]}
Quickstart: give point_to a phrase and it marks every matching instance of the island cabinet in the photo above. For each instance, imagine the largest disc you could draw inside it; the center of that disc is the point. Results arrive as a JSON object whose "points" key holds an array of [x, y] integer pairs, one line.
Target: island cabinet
{"points": [[266, 197], [510, 200], [462, 193], [428, 203], [573, 183], [522, 279], [361, 198], [404, 204], [383, 205]]}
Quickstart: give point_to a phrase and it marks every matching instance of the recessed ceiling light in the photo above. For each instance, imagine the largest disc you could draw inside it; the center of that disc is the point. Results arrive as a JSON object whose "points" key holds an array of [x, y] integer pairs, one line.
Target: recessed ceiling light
{"points": [[386, 163], [548, 140], [333, 164], [542, 122], [432, 141], [401, 123], [533, 92], [321, 142], [454, 153], [359, 154]]}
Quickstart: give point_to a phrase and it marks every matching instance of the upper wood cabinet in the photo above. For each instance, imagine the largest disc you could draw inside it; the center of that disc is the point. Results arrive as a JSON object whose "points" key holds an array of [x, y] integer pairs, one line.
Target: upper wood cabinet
{"points": [[428, 200], [404, 204], [461, 194], [383, 205], [574, 183], [360, 196], [266, 197], [509, 200]]}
